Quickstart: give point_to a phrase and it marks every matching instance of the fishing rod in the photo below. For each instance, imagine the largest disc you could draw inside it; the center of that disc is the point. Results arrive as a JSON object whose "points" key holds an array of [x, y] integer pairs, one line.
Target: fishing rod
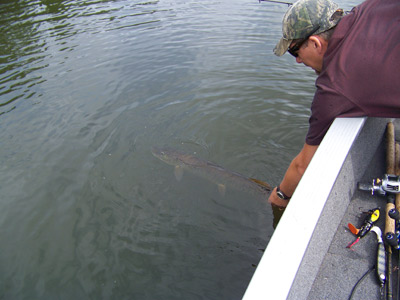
{"points": [[397, 204], [395, 214], [390, 223], [388, 186], [280, 2], [394, 241]]}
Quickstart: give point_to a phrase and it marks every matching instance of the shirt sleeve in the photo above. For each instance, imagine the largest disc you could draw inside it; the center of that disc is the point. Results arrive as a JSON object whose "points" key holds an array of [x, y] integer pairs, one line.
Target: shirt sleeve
{"points": [[327, 105]]}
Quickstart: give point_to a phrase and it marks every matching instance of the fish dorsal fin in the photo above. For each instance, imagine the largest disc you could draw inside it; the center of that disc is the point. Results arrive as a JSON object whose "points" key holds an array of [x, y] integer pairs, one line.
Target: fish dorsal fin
{"points": [[262, 183]]}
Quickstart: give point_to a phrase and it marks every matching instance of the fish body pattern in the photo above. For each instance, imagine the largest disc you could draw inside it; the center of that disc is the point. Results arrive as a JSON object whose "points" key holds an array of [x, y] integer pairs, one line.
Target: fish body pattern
{"points": [[222, 177]]}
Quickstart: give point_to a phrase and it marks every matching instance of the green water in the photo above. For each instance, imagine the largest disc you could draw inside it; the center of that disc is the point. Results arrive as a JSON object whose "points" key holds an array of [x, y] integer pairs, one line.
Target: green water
{"points": [[86, 89]]}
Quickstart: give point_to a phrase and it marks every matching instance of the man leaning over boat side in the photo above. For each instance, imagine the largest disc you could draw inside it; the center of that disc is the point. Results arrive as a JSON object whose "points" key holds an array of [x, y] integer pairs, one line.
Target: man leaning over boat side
{"points": [[357, 59]]}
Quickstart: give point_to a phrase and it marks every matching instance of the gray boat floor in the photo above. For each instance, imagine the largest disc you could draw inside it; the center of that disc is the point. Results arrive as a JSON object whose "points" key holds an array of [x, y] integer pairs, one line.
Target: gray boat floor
{"points": [[342, 268]]}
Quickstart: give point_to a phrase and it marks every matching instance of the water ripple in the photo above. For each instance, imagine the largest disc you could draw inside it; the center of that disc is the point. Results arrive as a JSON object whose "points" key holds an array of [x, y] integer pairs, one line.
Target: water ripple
{"points": [[86, 88]]}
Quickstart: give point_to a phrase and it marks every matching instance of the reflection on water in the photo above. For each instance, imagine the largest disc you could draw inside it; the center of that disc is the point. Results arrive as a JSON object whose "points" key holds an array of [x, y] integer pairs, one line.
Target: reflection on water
{"points": [[86, 89]]}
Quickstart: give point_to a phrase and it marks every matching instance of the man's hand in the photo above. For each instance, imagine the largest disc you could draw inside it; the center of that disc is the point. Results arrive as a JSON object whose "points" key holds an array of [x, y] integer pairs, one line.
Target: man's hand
{"points": [[293, 175], [275, 200]]}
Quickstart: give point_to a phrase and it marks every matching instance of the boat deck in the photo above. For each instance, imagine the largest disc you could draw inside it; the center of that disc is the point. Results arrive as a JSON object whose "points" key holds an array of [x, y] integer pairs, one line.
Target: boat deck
{"points": [[307, 256], [342, 267]]}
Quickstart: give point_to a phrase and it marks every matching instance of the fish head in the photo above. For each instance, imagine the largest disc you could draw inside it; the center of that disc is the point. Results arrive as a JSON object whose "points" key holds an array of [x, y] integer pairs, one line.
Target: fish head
{"points": [[168, 156], [176, 158]]}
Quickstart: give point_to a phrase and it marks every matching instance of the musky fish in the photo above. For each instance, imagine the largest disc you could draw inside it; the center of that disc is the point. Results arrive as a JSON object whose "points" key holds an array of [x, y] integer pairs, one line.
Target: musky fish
{"points": [[212, 172]]}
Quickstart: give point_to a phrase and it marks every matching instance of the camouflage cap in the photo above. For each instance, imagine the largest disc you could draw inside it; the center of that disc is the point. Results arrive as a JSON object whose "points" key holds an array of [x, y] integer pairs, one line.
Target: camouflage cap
{"points": [[304, 17]]}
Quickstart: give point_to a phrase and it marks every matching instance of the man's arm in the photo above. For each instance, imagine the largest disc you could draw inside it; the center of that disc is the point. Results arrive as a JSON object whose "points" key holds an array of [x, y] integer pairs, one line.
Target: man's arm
{"points": [[293, 175]]}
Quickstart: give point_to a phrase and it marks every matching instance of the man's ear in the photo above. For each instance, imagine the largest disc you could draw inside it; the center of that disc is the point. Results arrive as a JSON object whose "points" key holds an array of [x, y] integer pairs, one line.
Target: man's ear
{"points": [[316, 43]]}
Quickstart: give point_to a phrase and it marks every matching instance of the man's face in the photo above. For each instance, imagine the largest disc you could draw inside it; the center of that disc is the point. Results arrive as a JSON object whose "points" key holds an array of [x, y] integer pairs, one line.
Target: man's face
{"points": [[309, 54]]}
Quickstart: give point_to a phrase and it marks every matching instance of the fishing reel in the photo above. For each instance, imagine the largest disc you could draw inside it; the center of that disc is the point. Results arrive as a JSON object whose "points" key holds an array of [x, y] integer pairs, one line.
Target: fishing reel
{"points": [[389, 184], [393, 239]]}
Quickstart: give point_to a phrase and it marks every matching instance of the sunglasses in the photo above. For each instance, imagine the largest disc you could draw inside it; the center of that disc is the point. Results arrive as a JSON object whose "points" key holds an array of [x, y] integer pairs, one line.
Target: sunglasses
{"points": [[296, 47]]}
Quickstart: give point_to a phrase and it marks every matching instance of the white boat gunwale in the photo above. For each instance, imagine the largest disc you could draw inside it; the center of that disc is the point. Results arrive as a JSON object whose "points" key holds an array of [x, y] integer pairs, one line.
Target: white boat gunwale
{"points": [[295, 252]]}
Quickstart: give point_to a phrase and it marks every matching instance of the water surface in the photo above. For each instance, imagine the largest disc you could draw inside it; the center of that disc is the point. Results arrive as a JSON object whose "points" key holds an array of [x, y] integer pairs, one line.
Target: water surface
{"points": [[86, 89]]}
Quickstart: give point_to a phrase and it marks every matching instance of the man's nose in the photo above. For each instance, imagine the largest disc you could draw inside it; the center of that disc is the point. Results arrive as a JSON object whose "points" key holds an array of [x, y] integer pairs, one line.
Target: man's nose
{"points": [[299, 60]]}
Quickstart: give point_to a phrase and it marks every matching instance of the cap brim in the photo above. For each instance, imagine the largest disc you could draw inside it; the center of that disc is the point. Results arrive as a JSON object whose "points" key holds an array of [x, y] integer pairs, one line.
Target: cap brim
{"points": [[282, 46]]}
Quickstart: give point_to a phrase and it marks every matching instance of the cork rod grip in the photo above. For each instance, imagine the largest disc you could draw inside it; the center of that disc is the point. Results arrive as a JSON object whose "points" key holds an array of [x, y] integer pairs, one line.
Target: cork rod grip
{"points": [[390, 169]]}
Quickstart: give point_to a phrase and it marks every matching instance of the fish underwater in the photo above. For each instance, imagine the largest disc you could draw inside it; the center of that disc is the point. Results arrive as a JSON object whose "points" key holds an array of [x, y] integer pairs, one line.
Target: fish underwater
{"points": [[222, 177]]}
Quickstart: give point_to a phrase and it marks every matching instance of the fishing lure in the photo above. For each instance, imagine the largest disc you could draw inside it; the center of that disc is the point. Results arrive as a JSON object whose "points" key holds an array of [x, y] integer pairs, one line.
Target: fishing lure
{"points": [[381, 258], [380, 266], [370, 220]]}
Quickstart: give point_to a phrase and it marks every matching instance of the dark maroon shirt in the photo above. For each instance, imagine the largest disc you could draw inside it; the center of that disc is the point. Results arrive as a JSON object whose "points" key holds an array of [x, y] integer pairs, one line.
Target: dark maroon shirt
{"points": [[361, 68]]}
